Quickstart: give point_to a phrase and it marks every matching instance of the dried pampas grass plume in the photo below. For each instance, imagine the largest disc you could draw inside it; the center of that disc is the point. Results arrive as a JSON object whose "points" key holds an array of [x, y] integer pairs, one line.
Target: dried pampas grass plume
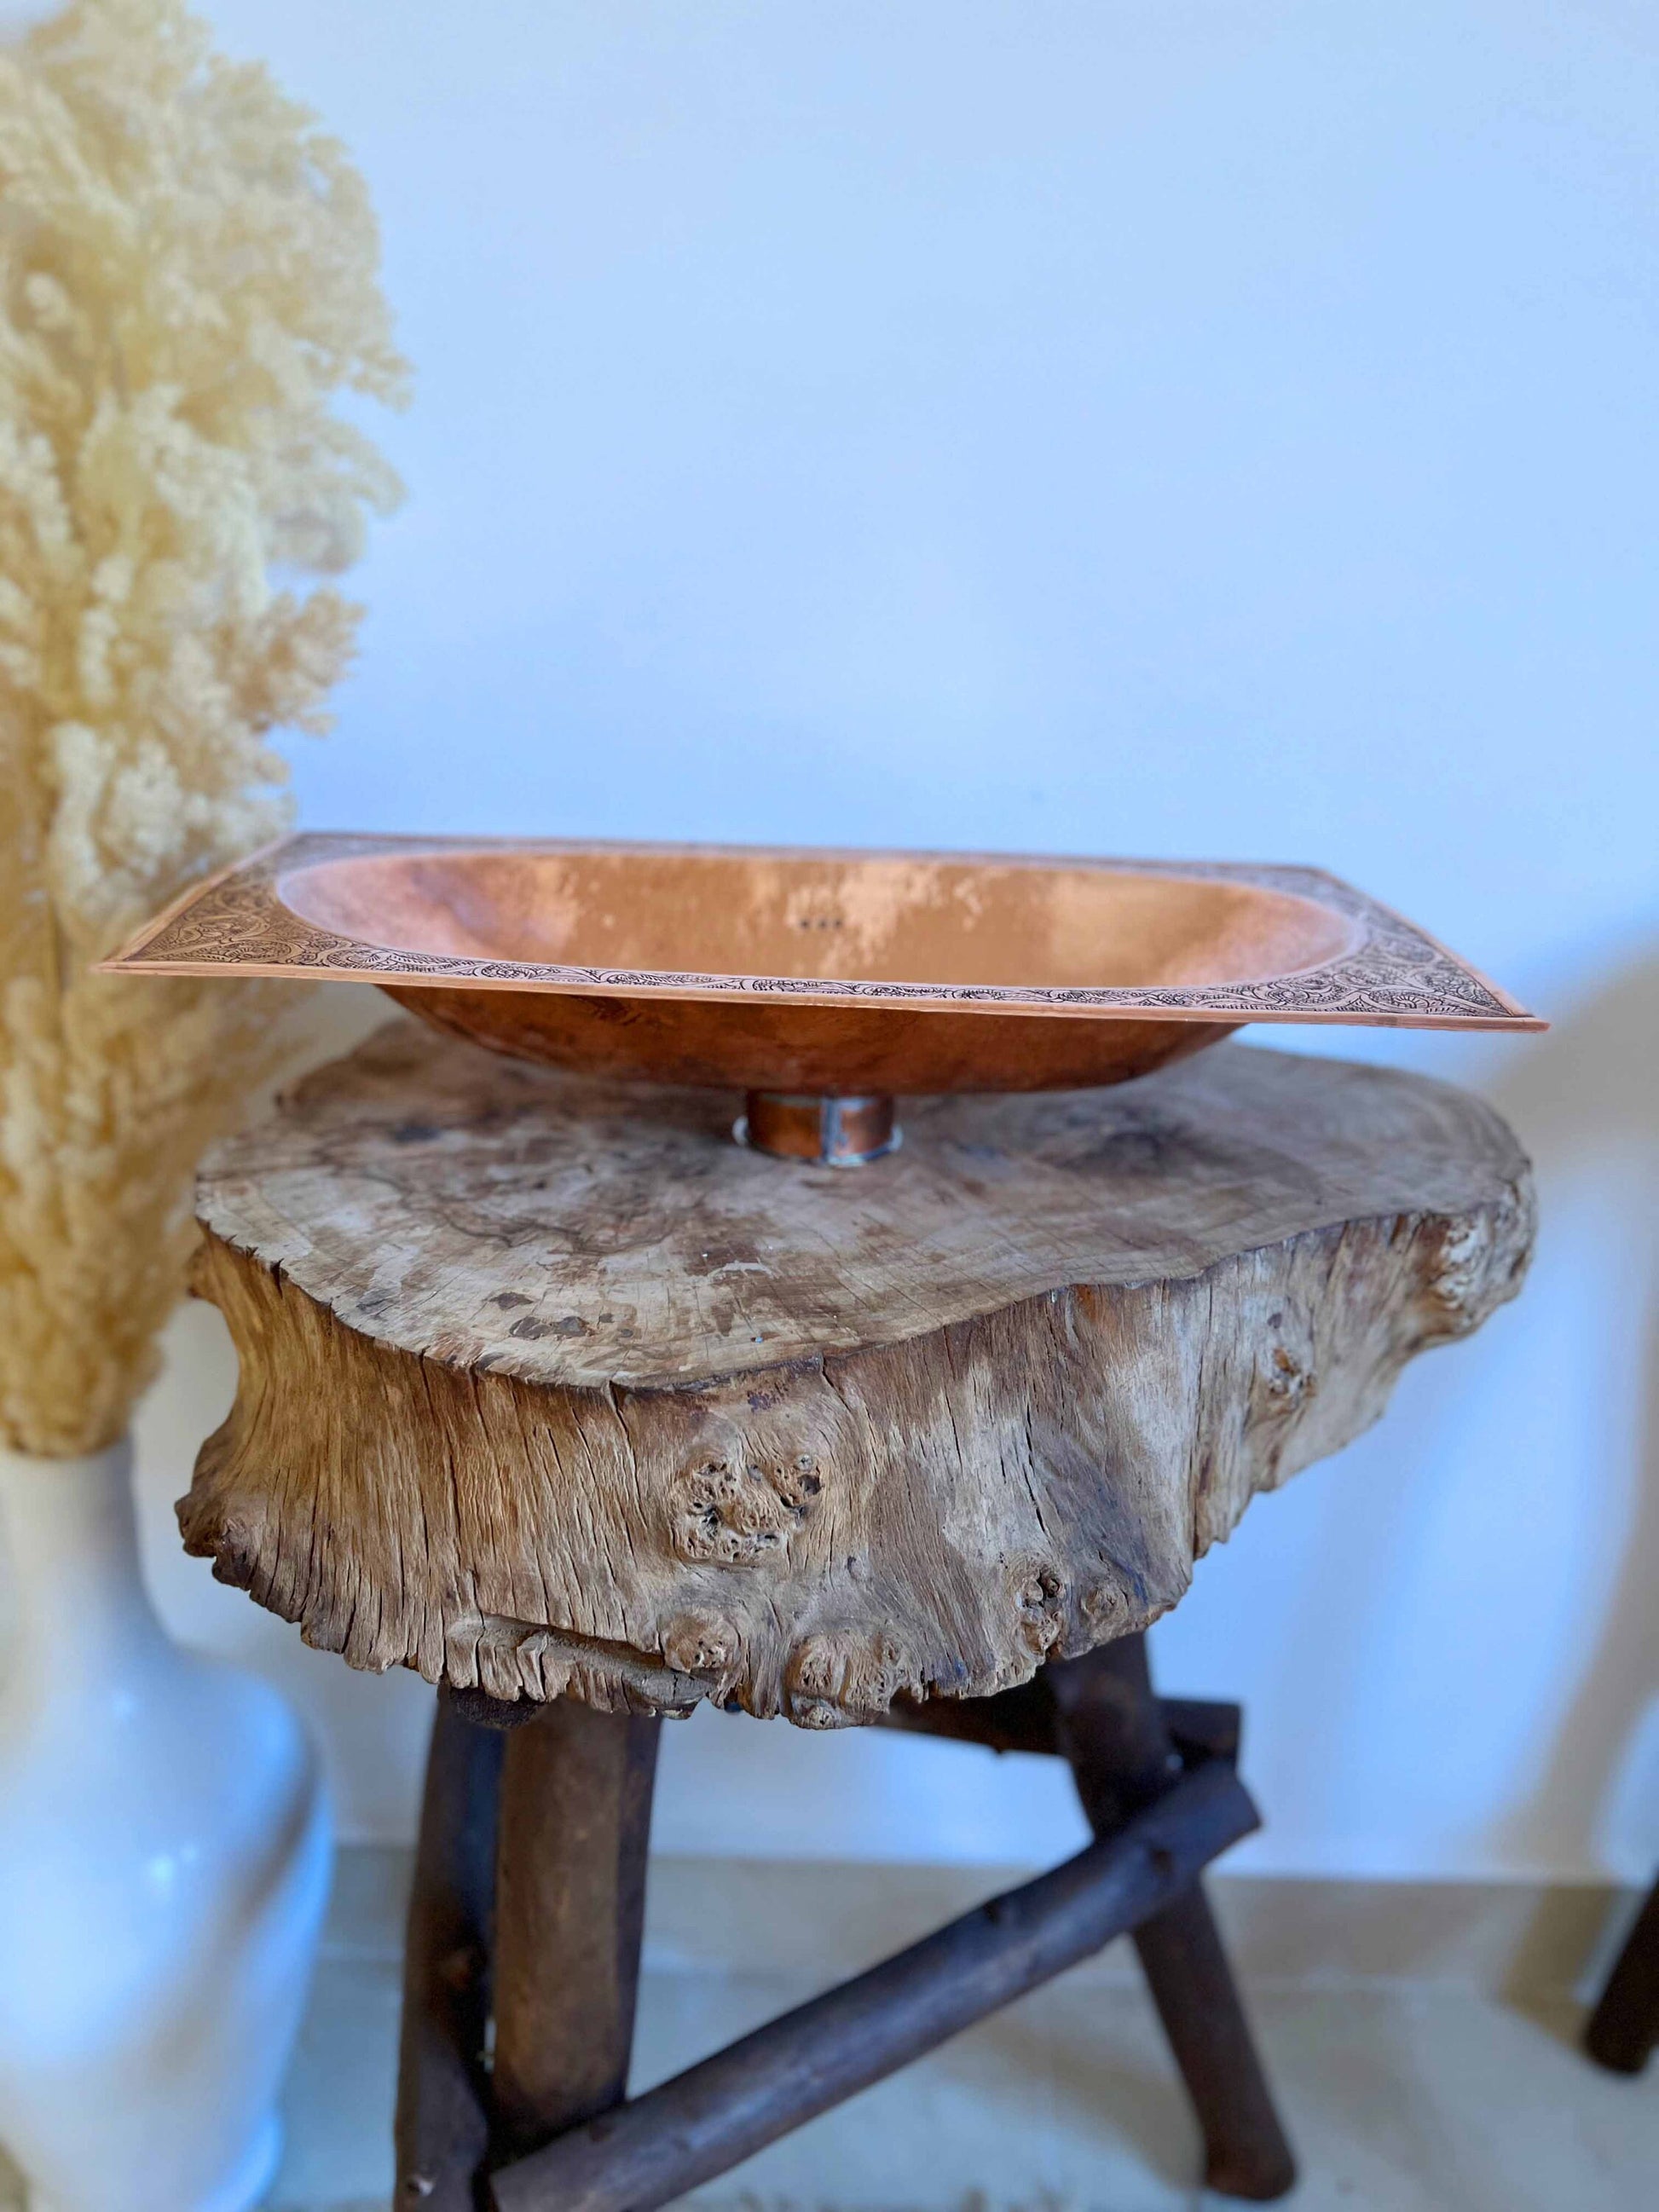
{"points": [[187, 279]]}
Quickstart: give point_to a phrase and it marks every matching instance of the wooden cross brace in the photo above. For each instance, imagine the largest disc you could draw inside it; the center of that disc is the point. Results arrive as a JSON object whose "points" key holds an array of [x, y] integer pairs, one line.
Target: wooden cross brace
{"points": [[528, 1907]]}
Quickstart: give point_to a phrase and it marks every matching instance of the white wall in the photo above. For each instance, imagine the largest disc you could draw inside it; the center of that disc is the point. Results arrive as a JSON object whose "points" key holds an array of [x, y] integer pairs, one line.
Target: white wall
{"points": [[1136, 425]]}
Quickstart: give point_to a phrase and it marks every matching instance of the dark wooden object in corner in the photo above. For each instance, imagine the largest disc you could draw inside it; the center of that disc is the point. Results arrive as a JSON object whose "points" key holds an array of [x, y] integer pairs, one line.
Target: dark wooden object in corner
{"points": [[567, 1806], [1623, 2031]]}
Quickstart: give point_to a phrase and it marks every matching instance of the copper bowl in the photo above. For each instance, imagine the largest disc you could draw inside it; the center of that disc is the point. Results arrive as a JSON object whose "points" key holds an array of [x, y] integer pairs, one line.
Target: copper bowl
{"points": [[820, 983]]}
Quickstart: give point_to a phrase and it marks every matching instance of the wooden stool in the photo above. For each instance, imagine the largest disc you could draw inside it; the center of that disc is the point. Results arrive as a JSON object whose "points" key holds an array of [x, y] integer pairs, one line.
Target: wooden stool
{"points": [[551, 1392]]}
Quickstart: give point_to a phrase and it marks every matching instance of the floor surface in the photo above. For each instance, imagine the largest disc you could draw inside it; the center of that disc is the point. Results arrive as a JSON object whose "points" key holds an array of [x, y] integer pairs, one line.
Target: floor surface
{"points": [[1400, 2098]]}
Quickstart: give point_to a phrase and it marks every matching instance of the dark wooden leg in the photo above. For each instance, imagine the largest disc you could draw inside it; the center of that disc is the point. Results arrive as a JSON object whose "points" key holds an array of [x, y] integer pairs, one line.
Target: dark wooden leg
{"points": [[442, 2126], [575, 1821], [1623, 2031], [1245, 2152], [1116, 1737]]}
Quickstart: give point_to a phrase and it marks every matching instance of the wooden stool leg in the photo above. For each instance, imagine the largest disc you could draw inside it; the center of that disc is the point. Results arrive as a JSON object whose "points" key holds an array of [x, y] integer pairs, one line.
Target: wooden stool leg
{"points": [[1245, 2152], [442, 2126], [576, 1821], [1623, 2031], [1113, 1732]]}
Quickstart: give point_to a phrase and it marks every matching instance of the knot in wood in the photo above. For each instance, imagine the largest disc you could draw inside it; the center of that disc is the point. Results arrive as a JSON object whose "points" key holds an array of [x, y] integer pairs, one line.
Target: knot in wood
{"points": [[1471, 1251], [735, 1511], [1039, 1595], [1105, 1608], [838, 1679], [701, 1642], [1283, 1382]]}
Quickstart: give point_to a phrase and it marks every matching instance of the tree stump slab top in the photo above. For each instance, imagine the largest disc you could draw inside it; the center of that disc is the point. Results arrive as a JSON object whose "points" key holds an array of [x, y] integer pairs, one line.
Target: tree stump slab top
{"points": [[547, 1387]]}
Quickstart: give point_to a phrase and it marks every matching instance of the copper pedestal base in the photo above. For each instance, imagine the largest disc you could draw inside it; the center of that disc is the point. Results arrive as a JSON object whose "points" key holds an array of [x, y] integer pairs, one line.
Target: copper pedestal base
{"points": [[836, 1132]]}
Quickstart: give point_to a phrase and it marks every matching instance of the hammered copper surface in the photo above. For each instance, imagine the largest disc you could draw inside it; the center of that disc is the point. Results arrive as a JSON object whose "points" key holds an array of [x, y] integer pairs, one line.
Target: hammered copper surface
{"points": [[762, 1045], [807, 919], [820, 971]]}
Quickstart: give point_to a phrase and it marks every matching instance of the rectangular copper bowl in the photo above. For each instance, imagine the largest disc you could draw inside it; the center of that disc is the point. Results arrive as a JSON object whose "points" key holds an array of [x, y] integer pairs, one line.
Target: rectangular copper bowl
{"points": [[816, 972]]}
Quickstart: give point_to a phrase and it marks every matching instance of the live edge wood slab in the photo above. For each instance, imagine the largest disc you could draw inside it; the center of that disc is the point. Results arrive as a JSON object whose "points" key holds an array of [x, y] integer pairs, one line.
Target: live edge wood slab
{"points": [[549, 1389]]}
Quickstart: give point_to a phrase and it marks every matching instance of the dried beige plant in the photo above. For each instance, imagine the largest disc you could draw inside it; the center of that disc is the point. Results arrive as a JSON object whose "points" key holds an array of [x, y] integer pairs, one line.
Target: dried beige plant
{"points": [[187, 281]]}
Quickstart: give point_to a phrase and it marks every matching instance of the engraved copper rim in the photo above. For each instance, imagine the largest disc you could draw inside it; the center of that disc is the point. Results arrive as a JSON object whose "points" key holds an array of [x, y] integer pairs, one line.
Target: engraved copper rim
{"points": [[833, 975], [264, 916]]}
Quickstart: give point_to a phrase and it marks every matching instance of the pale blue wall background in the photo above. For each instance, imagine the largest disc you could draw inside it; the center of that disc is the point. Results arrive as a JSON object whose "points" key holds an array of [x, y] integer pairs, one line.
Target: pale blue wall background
{"points": [[1138, 426]]}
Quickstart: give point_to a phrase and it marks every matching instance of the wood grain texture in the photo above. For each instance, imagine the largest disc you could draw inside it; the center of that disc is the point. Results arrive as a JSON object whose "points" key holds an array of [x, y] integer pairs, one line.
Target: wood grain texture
{"points": [[546, 1387]]}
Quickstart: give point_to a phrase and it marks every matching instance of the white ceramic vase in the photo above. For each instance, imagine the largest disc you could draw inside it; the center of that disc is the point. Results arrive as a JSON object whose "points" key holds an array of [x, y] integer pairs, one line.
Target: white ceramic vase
{"points": [[165, 1852]]}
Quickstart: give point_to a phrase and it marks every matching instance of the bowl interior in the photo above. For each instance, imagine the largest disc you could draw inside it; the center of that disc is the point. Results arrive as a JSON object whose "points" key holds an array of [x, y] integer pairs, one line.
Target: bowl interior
{"points": [[883, 919]]}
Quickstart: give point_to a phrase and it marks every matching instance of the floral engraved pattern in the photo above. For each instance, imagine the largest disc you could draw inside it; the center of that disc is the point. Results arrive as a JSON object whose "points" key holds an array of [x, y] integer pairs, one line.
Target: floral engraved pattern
{"points": [[1394, 973]]}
